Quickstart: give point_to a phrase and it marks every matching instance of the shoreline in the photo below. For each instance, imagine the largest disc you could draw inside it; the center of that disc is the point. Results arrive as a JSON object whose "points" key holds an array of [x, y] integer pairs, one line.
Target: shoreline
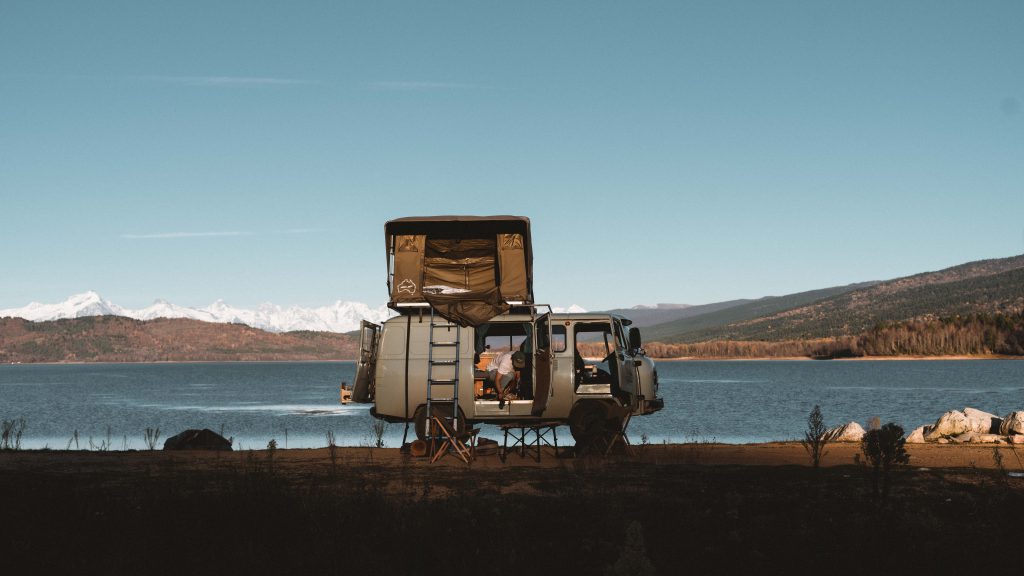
{"points": [[759, 454], [907, 358]]}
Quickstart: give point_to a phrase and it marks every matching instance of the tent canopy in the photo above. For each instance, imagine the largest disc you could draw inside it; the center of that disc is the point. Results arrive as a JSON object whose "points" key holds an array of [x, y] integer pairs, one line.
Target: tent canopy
{"points": [[469, 268]]}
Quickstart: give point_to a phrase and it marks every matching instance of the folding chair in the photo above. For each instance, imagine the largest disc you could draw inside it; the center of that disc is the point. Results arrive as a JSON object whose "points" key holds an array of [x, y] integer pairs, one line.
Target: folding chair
{"points": [[452, 442], [619, 436]]}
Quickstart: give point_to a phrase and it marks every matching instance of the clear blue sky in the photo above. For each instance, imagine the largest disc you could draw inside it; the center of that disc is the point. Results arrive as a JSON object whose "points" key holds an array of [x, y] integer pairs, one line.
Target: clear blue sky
{"points": [[684, 152]]}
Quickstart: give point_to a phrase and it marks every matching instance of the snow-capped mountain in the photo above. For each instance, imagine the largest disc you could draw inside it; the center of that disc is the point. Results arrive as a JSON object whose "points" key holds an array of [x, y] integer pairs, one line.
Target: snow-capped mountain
{"points": [[77, 306], [338, 317]]}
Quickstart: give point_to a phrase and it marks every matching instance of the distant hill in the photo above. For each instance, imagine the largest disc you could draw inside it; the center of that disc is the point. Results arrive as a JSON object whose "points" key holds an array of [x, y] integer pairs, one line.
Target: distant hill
{"points": [[986, 286], [695, 327], [120, 339], [643, 316]]}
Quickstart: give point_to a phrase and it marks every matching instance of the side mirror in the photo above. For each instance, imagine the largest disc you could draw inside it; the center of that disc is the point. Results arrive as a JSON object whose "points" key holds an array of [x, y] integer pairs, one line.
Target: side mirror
{"points": [[635, 343]]}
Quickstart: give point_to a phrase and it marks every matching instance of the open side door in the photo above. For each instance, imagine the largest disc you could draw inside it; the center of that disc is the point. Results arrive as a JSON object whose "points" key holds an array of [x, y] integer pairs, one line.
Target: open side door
{"points": [[626, 364], [542, 365], [363, 387]]}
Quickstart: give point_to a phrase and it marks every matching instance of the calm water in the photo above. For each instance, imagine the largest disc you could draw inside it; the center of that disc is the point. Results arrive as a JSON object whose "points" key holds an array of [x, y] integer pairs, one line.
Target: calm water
{"points": [[297, 403]]}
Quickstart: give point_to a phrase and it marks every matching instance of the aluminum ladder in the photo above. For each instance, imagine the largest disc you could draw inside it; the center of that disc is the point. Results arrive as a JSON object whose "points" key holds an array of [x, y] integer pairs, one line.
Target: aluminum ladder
{"points": [[443, 391]]}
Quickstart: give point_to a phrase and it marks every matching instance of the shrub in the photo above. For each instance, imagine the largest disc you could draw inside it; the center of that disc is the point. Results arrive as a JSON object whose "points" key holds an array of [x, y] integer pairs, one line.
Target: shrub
{"points": [[884, 447], [816, 436]]}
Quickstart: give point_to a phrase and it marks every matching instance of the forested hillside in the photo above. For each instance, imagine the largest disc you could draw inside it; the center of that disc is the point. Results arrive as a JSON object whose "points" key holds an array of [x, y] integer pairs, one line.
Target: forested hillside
{"points": [[119, 339], [973, 335], [692, 328]]}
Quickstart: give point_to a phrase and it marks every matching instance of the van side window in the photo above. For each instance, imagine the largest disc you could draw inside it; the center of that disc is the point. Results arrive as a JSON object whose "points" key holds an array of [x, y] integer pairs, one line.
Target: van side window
{"points": [[558, 338]]}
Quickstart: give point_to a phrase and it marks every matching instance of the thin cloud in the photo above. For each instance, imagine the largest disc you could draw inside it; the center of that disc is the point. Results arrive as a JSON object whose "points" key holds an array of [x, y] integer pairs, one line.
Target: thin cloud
{"points": [[301, 231], [226, 80], [413, 85], [182, 235]]}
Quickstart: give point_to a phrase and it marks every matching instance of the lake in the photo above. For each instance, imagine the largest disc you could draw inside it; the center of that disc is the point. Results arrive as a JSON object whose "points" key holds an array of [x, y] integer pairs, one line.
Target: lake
{"points": [[296, 404]]}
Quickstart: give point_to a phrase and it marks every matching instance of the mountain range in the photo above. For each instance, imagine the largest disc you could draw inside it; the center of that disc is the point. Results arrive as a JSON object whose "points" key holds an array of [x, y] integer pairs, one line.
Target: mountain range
{"points": [[338, 317], [973, 308]]}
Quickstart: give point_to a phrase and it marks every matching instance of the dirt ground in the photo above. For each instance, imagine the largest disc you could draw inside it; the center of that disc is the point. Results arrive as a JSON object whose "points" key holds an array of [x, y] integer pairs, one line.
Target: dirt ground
{"points": [[667, 509]]}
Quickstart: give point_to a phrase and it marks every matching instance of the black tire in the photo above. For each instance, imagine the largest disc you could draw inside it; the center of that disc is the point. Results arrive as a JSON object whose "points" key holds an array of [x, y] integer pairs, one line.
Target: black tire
{"points": [[419, 418], [588, 424]]}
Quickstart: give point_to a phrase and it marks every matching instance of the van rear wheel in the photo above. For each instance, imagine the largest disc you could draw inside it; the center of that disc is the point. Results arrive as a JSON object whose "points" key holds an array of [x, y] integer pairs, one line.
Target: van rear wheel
{"points": [[419, 417]]}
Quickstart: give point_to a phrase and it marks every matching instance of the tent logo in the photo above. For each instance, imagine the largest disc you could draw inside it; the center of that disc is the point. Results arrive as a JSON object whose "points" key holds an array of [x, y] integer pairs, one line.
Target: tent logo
{"points": [[512, 241], [407, 286]]}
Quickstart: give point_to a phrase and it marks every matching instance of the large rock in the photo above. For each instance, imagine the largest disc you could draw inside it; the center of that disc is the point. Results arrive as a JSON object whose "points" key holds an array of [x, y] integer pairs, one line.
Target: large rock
{"points": [[917, 436], [952, 423], [1015, 439], [850, 432], [982, 422], [1012, 424], [204, 439]]}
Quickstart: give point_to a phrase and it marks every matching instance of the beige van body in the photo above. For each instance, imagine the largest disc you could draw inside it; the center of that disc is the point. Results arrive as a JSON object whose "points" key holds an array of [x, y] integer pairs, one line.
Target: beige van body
{"points": [[602, 390]]}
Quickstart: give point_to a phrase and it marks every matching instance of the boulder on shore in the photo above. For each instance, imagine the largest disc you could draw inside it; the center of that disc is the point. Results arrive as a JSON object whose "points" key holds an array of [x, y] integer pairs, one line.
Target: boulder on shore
{"points": [[204, 439], [850, 432], [952, 423], [1012, 424], [982, 422], [917, 436]]}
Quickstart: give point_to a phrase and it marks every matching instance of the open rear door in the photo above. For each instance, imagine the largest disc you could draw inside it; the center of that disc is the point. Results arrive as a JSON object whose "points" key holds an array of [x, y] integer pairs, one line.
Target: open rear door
{"points": [[542, 366], [363, 387]]}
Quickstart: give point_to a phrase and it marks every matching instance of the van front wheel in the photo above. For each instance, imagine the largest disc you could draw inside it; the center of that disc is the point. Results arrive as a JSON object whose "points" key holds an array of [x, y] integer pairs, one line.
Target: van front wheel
{"points": [[588, 424]]}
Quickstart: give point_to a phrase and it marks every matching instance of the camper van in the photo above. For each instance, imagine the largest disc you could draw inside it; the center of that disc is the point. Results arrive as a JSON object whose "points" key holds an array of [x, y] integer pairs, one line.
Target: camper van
{"points": [[463, 290]]}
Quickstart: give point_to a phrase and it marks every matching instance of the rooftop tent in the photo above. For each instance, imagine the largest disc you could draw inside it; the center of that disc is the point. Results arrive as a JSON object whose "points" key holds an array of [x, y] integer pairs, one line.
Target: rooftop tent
{"points": [[469, 268]]}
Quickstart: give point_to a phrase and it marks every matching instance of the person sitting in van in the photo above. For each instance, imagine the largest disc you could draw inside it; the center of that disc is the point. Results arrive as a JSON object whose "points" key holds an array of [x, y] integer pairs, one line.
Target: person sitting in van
{"points": [[502, 371]]}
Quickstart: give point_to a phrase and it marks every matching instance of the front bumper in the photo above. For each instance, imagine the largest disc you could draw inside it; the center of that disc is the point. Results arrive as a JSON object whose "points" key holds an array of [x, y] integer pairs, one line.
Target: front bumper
{"points": [[652, 406]]}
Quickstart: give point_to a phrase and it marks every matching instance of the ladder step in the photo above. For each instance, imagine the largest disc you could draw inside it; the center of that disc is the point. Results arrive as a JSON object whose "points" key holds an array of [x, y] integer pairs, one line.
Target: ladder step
{"points": [[444, 362], [444, 382], [443, 325], [442, 399], [444, 343]]}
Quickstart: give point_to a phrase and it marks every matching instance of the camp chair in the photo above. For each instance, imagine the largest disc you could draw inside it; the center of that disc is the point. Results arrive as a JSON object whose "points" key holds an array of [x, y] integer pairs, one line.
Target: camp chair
{"points": [[452, 441], [519, 431], [619, 436]]}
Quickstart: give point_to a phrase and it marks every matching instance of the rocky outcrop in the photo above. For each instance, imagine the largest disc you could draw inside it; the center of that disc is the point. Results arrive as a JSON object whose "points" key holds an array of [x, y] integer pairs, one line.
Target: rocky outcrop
{"points": [[850, 432], [972, 426], [204, 439], [1012, 424]]}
